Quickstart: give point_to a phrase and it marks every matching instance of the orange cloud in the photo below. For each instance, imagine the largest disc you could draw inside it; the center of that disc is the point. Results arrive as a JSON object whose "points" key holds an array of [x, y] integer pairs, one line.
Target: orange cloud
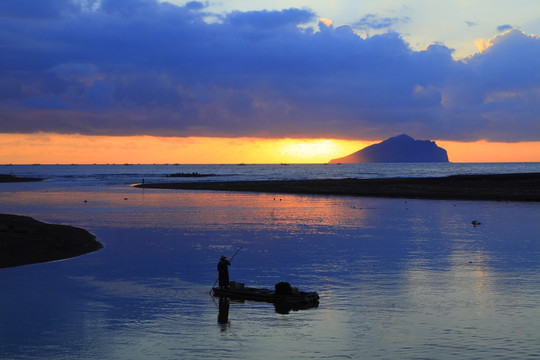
{"points": [[326, 21]]}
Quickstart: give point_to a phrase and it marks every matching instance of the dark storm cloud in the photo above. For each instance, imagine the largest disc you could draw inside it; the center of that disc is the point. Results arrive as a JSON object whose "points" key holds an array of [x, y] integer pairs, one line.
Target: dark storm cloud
{"points": [[502, 28], [374, 22], [32, 9], [142, 67]]}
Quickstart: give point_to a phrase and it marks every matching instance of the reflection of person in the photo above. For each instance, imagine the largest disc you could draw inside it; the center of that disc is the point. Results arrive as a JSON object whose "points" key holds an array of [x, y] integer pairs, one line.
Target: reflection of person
{"points": [[223, 315], [223, 270]]}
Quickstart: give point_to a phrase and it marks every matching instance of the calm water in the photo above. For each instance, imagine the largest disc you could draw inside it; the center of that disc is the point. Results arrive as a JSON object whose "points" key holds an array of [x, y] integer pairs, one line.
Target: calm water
{"points": [[398, 279]]}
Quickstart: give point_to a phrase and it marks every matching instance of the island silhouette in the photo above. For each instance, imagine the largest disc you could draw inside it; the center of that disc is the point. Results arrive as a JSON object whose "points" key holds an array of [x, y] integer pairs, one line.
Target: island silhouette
{"points": [[397, 149]]}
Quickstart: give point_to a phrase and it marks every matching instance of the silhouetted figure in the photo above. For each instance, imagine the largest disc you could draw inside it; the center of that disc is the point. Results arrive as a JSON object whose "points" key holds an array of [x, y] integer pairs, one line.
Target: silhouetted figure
{"points": [[223, 270]]}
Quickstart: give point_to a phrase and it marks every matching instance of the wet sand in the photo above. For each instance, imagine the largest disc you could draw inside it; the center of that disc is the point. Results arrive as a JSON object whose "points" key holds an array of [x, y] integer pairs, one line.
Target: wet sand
{"points": [[502, 187], [24, 240]]}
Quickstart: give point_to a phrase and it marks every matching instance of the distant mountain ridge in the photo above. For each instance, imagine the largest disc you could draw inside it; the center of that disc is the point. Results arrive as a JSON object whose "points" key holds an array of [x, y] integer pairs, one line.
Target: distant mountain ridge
{"points": [[398, 149]]}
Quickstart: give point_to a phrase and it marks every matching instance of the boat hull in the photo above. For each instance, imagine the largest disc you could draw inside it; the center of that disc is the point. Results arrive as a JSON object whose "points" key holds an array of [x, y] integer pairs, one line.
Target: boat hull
{"points": [[301, 298]]}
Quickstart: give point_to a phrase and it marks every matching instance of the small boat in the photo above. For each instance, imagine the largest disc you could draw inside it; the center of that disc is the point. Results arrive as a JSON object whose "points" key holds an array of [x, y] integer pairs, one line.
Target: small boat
{"points": [[299, 299]]}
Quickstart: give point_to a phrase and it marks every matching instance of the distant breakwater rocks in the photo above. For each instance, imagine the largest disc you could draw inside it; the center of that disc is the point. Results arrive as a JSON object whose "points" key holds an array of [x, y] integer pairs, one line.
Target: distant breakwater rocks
{"points": [[4, 178], [188, 175]]}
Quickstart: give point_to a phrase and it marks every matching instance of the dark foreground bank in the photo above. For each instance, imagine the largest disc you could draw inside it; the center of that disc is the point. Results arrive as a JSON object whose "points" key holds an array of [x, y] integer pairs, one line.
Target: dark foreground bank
{"points": [[510, 187], [24, 240]]}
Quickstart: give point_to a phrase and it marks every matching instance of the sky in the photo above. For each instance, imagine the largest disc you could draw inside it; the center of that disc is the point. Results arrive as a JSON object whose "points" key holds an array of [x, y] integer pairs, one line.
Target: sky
{"points": [[148, 81]]}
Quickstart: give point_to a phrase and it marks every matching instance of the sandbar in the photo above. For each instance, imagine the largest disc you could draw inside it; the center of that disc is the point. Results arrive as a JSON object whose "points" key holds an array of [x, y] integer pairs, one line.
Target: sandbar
{"points": [[24, 240], [498, 187]]}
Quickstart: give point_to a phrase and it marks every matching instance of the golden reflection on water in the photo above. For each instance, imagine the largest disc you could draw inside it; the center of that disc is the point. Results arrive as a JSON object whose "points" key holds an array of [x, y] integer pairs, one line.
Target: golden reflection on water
{"points": [[144, 208]]}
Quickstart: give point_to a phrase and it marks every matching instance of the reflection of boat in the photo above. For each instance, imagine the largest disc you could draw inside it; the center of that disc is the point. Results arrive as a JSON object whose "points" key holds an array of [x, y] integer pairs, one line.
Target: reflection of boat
{"points": [[295, 300]]}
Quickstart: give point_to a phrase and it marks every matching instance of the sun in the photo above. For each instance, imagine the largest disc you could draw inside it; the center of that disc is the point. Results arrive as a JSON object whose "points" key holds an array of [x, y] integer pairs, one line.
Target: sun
{"points": [[306, 149], [315, 150]]}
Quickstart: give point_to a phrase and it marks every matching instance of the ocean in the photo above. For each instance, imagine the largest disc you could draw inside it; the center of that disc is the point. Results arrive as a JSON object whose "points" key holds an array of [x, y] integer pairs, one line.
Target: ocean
{"points": [[398, 278], [70, 176]]}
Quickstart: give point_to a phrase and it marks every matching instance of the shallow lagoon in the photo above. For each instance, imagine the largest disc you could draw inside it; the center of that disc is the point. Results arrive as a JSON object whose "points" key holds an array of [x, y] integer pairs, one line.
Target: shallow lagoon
{"points": [[398, 279]]}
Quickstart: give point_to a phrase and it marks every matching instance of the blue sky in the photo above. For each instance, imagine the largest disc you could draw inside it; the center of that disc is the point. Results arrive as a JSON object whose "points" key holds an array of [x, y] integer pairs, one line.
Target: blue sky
{"points": [[460, 70], [456, 23]]}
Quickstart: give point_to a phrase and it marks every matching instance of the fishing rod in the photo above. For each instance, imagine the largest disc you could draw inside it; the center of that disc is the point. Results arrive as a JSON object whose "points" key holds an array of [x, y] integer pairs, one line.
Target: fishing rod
{"points": [[237, 251], [240, 248]]}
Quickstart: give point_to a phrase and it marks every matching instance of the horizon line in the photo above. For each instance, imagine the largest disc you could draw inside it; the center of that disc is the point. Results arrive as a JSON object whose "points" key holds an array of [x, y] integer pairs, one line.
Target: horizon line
{"points": [[272, 163]]}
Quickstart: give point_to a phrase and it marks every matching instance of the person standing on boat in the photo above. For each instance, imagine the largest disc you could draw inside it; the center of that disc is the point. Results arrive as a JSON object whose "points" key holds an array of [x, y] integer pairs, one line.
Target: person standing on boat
{"points": [[223, 270]]}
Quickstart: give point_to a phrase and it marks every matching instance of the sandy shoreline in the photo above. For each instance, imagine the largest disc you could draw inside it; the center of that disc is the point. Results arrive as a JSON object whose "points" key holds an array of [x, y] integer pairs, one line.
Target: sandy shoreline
{"points": [[502, 187], [24, 240]]}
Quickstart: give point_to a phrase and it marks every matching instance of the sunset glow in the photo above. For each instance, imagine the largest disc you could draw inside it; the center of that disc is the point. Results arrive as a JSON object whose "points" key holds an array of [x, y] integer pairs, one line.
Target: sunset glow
{"points": [[484, 151], [78, 149]]}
